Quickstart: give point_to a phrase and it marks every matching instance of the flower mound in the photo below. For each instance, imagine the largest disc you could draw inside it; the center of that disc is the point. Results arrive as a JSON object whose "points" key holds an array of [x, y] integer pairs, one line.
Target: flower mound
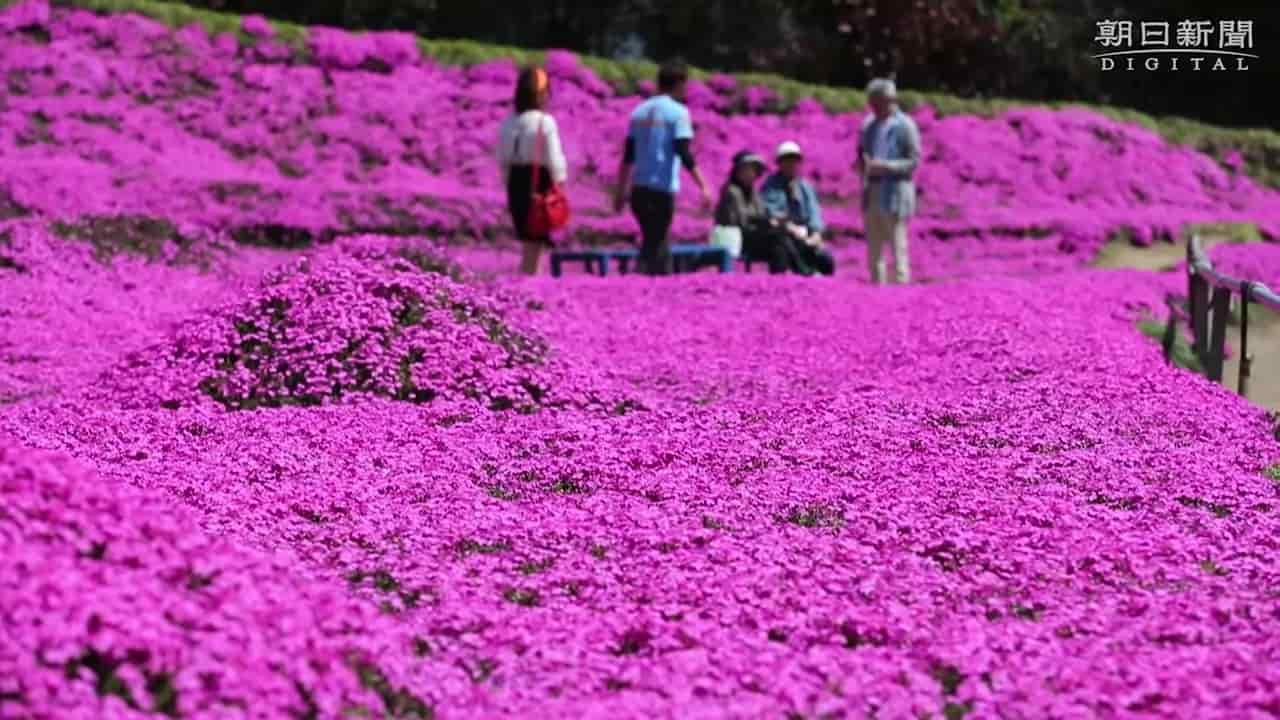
{"points": [[142, 615], [397, 324]]}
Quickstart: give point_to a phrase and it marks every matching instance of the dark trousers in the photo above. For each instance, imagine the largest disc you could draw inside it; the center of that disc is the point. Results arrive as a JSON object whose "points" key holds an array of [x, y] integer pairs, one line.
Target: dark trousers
{"points": [[819, 259], [520, 199], [783, 252], [654, 210], [771, 246]]}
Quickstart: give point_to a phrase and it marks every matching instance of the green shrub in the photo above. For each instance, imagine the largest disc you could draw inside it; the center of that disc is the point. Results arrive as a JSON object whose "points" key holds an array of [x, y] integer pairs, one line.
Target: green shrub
{"points": [[1182, 355]]}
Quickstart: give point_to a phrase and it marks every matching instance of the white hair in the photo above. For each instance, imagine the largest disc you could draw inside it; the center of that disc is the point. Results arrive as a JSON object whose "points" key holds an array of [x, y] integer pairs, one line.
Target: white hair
{"points": [[882, 87]]}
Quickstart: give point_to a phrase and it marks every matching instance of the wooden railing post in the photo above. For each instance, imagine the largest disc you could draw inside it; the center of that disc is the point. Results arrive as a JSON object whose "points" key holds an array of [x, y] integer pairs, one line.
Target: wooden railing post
{"points": [[1218, 341], [1198, 299], [1209, 296], [1242, 382]]}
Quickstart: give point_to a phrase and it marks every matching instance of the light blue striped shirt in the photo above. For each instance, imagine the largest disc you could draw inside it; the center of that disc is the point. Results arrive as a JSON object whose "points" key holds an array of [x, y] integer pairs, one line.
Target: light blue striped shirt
{"points": [[896, 140]]}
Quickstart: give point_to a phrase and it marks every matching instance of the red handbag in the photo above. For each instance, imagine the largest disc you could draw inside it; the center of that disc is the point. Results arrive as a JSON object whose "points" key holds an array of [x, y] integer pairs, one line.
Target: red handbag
{"points": [[549, 209]]}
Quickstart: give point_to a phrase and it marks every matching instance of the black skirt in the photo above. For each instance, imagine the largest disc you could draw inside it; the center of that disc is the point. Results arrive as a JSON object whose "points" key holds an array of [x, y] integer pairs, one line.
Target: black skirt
{"points": [[520, 198]]}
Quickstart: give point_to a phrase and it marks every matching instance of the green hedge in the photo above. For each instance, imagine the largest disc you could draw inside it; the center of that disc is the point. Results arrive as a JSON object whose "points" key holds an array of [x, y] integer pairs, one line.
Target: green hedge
{"points": [[1259, 148]]}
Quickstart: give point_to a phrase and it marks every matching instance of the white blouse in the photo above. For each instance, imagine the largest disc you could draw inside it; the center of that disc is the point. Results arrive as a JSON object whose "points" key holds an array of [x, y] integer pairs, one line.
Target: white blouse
{"points": [[519, 135]]}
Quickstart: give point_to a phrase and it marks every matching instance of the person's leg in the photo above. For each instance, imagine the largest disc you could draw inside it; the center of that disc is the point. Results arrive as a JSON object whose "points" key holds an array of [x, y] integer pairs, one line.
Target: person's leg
{"points": [[777, 255], [654, 212], [642, 208], [823, 261], [901, 258], [530, 257], [767, 246], [664, 215], [797, 254], [518, 202], [873, 219]]}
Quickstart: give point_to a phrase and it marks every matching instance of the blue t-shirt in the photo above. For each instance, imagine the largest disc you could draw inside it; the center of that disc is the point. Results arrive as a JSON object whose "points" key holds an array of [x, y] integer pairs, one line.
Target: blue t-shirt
{"points": [[655, 127]]}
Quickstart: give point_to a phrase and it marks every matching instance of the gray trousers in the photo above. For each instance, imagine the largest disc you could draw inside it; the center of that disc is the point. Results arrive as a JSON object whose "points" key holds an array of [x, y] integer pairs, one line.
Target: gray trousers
{"points": [[886, 229]]}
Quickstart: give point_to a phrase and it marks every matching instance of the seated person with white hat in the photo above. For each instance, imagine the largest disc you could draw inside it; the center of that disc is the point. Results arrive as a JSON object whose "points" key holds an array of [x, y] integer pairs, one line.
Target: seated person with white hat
{"points": [[794, 201]]}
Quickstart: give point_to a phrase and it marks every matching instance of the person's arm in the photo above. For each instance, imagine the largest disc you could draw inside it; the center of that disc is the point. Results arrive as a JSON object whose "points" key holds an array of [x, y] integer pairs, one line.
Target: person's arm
{"points": [[556, 162], [623, 186], [775, 195], [906, 166], [728, 209], [684, 134], [816, 224]]}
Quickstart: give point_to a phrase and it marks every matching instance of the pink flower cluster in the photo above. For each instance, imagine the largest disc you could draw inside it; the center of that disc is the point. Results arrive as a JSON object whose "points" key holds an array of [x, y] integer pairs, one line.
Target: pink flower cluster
{"points": [[116, 605], [1259, 262], [369, 318], [975, 498]]}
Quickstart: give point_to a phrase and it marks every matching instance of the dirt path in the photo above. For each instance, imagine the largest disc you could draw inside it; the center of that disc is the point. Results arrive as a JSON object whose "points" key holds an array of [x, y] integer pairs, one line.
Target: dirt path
{"points": [[1264, 346], [1264, 326], [1158, 257]]}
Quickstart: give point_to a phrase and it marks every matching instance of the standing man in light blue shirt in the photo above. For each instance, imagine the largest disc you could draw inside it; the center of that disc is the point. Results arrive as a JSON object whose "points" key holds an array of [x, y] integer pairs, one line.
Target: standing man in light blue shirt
{"points": [[657, 144], [888, 154]]}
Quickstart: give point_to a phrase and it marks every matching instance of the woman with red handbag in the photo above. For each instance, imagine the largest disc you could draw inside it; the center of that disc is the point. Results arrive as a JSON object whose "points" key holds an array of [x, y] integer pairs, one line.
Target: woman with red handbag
{"points": [[533, 168]]}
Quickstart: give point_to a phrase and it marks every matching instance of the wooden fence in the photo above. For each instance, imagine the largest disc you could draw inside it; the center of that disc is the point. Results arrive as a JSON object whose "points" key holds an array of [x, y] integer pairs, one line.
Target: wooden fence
{"points": [[1211, 296]]}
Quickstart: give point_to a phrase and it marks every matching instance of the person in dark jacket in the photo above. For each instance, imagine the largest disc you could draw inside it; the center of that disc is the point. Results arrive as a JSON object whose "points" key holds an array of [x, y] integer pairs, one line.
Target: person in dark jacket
{"points": [[740, 206]]}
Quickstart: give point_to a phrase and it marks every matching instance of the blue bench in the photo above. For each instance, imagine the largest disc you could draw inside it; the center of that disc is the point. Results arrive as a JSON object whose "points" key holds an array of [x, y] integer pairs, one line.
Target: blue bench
{"points": [[684, 257]]}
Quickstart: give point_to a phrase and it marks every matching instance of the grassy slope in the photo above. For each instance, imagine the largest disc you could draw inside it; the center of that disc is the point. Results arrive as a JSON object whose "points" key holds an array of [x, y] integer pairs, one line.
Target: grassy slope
{"points": [[1260, 148]]}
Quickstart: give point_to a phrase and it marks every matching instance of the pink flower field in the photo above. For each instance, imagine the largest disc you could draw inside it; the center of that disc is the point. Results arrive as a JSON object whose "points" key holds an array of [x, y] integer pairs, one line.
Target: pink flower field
{"points": [[282, 435]]}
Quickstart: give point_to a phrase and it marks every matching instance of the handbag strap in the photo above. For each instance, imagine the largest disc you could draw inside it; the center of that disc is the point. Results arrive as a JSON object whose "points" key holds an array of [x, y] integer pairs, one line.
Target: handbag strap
{"points": [[537, 156]]}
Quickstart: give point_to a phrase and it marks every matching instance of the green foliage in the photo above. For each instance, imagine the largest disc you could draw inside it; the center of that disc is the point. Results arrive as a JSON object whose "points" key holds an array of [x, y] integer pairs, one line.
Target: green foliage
{"points": [[1213, 568], [523, 598], [568, 486], [950, 678], [428, 262], [816, 516], [6, 262], [1182, 355], [467, 546], [397, 702], [107, 681], [1235, 233], [150, 238], [533, 567]]}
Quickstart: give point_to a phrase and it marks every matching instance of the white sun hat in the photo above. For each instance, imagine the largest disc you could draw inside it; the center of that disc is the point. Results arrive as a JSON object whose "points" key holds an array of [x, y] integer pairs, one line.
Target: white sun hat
{"points": [[786, 149]]}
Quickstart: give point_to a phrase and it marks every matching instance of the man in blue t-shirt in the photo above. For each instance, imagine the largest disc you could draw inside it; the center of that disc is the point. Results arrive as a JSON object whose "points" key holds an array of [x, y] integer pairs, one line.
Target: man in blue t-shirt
{"points": [[657, 144]]}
